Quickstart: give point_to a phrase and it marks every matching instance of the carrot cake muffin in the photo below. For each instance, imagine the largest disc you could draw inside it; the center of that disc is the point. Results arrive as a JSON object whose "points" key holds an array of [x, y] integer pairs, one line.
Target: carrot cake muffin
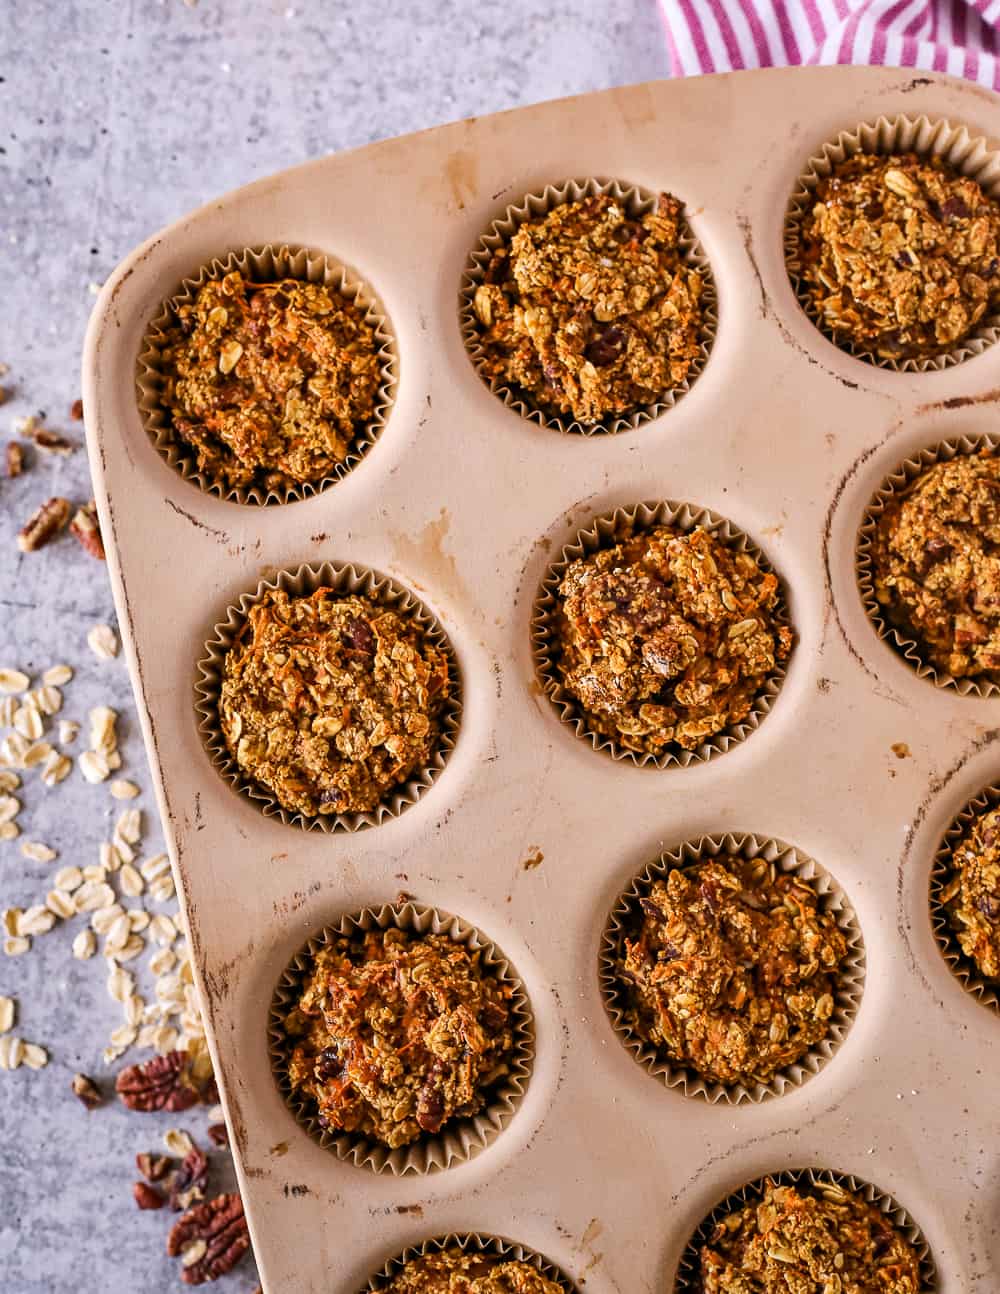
{"points": [[936, 564], [731, 969], [900, 254], [396, 1034], [972, 896], [451, 1271], [268, 384], [329, 701], [668, 637], [589, 312], [804, 1239]]}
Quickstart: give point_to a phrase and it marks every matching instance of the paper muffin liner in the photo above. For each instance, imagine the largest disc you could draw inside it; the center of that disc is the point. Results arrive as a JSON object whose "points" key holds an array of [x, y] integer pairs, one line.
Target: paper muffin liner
{"points": [[894, 486], [847, 995], [464, 1138], [345, 579], [688, 1278], [261, 265], [605, 531], [967, 154], [637, 202], [476, 1242], [943, 873]]}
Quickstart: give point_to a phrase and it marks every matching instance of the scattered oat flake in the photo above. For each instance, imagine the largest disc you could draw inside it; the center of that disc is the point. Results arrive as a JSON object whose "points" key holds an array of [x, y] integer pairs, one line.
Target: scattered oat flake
{"points": [[12, 750], [121, 984], [57, 676], [34, 1056], [95, 872], [138, 919], [28, 722], [129, 826], [103, 919], [9, 781], [57, 769], [15, 945], [130, 881], [132, 948], [36, 920], [11, 916], [155, 867], [123, 789], [8, 708], [110, 857], [94, 766], [84, 945], [68, 731], [162, 889], [102, 641], [68, 878], [39, 752], [13, 680], [60, 903], [93, 895], [9, 831], [10, 807], [38, 852], [11, 1052], [47, 699], [163, 931], [7, 1010]]}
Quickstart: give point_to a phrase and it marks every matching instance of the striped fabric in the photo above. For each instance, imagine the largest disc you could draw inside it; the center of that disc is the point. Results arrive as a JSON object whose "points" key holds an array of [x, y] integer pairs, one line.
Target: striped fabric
{"points": [[957, 36]]}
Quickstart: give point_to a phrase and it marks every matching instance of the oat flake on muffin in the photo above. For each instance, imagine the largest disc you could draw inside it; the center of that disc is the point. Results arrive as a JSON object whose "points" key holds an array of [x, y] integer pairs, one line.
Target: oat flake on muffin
{"points": [[972, 895], [454, 1271]]}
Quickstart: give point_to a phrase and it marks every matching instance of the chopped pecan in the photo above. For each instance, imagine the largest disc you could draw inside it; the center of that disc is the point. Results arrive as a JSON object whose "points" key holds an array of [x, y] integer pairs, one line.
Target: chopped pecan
{"points": [[15, 459], [43, 525], [218, 1134], [147, 1197], [87, 530], [163, 1083], [87, 1091], [76, 410], [190, 1180], [154, 1167], [210, 1239], [50, 442]]}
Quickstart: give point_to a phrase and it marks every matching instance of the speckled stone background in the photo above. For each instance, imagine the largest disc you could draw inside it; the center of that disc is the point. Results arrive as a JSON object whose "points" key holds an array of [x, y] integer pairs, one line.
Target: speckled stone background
{"points": [[116, 117]]}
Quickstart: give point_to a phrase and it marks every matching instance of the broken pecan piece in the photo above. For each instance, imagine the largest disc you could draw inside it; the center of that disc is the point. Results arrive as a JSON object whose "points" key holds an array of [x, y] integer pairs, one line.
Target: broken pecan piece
{"points": [[76, 410], [190, 1180], [146, 1196], [218, 1134], [50, 442], [87, 1091], [163, 1083], [210, 1239], [43, 525], [15, 459], [154, 1167], [87, 530]]}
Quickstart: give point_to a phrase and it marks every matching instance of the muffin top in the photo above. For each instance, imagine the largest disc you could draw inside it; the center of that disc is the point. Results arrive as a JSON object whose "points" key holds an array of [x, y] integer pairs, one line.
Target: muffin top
{"points": [[329, 701], [450, 1271], [936, 560], [268, 384], [731, 968], [397, 1034], [668, 637], [801, 1239], [972, 895], [900, 254], [590, 312]]}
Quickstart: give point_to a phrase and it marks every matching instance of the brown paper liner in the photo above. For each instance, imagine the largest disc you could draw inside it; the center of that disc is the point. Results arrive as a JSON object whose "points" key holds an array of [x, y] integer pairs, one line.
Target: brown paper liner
{"points": [[603, 532], [463, 1139], [474, 1242], [688, 1278], [965, 970], [896, 484], [346, 579], [847, 995], [637, 202], [965, 153], [263, 264]]}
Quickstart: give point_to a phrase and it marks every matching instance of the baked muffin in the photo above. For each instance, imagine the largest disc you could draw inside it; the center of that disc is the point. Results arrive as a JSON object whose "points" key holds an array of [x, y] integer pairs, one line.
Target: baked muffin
{"points": [[397, 1035], [804, 1239], [268, 384], [900, 255], [972, 894], [730, 968], [452, 1271], [667, 637], [330, 701], [589, 312], [936, 564]]}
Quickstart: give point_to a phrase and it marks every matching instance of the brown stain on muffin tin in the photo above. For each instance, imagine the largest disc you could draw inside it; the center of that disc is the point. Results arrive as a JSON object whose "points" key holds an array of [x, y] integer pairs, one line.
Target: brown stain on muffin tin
{"points": [[427, 550], [900, 749], [534, 859], [960, 402], [462, 172]]}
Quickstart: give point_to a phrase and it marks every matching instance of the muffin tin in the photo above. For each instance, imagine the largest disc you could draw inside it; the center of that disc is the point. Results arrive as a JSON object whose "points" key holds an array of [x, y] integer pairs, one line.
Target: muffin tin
{"points": [[528, 833]]}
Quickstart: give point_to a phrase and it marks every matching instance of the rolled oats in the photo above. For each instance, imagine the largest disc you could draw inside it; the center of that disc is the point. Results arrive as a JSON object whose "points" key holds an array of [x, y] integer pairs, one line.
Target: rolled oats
{"points": [[162, 931], [103, 642], [102, 919], [60, 904], [11, 1052], [38, 852], [34, 1056], [48, 700], [93, 895], [57, 769], [16, 945], [57, 676], [84, 945], [13, 680], [69, 730], [28, 722], [10, 807], [9, 830], [7, 1011], [94, 766], [103, 735], [162, 890], [68, 878], [129, 826], [39, 752], [9, 781], [36, 920], [122, 789], [130, 881]]}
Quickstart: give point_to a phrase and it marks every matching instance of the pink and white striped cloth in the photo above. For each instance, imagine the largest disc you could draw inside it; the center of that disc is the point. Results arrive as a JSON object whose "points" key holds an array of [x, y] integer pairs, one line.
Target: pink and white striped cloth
{"points": [[957, 36]]}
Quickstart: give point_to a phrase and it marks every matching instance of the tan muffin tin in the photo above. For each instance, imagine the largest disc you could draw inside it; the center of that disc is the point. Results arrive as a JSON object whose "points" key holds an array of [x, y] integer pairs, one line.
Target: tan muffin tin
{"points": [[528, 833]]}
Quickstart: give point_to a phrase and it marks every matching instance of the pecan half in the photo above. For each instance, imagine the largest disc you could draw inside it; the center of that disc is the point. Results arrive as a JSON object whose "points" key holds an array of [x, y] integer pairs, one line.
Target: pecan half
{"points": [[15, 459], [190, 1180], [146, 1196], [87, 530], [210, 1239], [218, 1134], [43, 525], [76, 410], [154, 1167], [50, 442], [163, 1083], [87, 1091]]}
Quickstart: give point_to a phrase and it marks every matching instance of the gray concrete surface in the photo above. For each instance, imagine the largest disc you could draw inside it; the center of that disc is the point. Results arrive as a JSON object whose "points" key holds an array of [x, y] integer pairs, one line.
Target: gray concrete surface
{"points": [[115, 118]]}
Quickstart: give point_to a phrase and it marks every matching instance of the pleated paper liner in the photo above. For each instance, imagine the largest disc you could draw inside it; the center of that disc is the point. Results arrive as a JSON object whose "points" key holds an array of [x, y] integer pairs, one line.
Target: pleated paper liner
{"points": [[637, 202], [490, 1246], [263, 265], [897, 484], [345, 579], [605, 531], [458, 1141], [965, 153], [688, 1278], [626, 913], [943, 877]]}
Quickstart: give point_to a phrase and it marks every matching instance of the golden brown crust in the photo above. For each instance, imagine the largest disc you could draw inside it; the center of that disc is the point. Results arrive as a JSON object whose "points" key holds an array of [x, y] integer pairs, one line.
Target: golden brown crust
{"points": [[588, 312], [732, 968], [330, 701], [972, 894], [668, 637], [900, 254], [809, 1240], [269, 383], [936, 560], [452, 1271], [396, 1034]]}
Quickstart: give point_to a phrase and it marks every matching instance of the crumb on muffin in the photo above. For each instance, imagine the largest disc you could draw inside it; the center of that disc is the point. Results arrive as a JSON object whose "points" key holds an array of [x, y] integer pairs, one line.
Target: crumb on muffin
{"points": [[454, 1271]]}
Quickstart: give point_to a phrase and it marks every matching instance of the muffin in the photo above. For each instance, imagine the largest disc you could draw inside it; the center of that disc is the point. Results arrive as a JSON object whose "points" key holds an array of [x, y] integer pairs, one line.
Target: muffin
{"points": [[808, 1238], [936, 564], [899, 255], [972, 894], [268, 384], [729, 967], [589, 312], [452, 1271], [329, 701], [397, 1035], [668, 637]]}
